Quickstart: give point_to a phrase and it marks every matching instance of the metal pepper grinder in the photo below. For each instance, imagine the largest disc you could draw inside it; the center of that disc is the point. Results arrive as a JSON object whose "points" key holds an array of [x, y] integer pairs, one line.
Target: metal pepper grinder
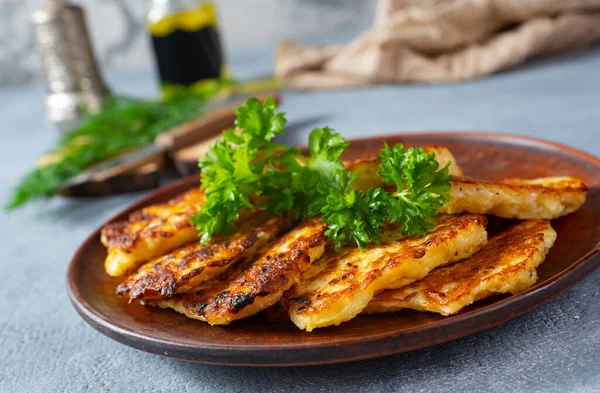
{"points": [[75, 86]]}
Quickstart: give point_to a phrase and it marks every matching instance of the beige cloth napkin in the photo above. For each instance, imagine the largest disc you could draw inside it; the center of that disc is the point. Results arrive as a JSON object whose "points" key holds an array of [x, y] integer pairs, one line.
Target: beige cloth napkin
{"points": [[442, 41]]}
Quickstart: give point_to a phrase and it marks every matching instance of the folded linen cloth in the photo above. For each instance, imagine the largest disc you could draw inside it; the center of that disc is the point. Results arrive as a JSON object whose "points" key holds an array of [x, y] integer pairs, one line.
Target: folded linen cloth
{"points": [[442, 41]]}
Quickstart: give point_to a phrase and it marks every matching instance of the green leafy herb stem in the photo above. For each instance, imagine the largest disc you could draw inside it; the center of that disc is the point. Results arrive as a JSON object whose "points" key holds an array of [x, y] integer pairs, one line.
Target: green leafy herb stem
{"points": [[247, 170], [123, 123]]}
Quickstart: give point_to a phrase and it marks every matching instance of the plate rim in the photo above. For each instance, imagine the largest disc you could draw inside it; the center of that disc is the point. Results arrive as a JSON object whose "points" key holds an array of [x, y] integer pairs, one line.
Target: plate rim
{"points": [[528, 300]]}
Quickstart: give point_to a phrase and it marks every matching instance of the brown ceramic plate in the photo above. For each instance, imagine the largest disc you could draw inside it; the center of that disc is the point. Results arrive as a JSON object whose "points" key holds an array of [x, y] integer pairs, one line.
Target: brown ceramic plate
{"points": [[258, 342]]}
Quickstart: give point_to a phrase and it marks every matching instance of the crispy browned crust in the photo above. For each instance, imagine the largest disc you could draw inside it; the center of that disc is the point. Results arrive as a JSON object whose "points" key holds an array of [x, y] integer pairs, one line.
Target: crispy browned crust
{"points": [[507, 264], [258, 283], [150, 222], [192, 265], [339, 285], [543, 198]]}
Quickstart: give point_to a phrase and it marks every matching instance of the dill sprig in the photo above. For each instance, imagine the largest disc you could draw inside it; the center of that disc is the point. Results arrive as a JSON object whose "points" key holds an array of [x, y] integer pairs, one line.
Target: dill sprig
{"points": [[122, 123]]}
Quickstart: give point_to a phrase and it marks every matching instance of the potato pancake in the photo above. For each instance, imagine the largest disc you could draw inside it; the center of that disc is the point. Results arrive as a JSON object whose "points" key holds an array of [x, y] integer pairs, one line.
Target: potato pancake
{"points": [[339, 286], [544, 198], [506, 265], [254, 285], [367, 169], [192, 265], [150, 232]]}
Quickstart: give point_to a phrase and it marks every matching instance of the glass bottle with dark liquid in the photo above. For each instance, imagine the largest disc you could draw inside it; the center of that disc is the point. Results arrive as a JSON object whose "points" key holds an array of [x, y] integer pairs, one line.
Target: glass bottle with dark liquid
{"points": [[186, 42]]}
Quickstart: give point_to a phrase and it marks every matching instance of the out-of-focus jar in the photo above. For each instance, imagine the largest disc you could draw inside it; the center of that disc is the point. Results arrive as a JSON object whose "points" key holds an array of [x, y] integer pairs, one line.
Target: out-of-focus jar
{"points": [[187, 44]]}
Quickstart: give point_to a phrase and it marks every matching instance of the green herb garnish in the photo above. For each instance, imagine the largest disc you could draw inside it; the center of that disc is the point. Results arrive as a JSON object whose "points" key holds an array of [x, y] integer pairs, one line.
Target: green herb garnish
{"points": [[247, 170], [123, 123], [421, 190], [233, 169]]}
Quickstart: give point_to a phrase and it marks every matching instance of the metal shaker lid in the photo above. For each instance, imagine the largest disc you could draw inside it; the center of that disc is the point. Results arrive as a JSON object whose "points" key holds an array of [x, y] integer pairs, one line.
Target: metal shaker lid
{"points": [[72, 75]]}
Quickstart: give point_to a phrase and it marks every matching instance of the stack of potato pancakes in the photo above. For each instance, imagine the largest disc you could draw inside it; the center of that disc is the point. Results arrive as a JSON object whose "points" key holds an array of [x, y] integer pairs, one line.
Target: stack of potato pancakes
{"points": [[289, 269]]}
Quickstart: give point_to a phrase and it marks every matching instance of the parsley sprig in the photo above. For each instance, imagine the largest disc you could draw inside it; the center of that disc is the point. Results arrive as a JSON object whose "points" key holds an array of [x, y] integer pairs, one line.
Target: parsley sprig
{"points": [[421, 189], [247, 170], [233, 169]]}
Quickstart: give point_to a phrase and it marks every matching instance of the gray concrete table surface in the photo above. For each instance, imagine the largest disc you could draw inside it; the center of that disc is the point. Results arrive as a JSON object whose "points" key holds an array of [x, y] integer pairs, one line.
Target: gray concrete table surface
{"points": [[46, 347]]}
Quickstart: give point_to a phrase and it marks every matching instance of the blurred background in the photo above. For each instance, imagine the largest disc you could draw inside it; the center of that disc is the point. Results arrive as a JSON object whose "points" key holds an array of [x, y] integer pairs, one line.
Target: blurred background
{"points": [[117, 29], [121, 79]]}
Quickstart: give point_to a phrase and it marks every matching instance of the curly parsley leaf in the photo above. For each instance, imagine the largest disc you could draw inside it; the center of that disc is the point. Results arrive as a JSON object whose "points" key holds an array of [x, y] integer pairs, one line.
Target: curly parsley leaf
{"points": [[321, 185], [325, 147], [421, 189], [259, 121], [355, 216], [233, 169]]}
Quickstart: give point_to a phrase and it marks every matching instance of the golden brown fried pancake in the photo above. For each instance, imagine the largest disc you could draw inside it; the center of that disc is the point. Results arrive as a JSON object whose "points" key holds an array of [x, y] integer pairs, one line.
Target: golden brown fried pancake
{"points": [[150, 233], [544, 198], [506, 265], [338, 286], [192, 265], [257, 284]]}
